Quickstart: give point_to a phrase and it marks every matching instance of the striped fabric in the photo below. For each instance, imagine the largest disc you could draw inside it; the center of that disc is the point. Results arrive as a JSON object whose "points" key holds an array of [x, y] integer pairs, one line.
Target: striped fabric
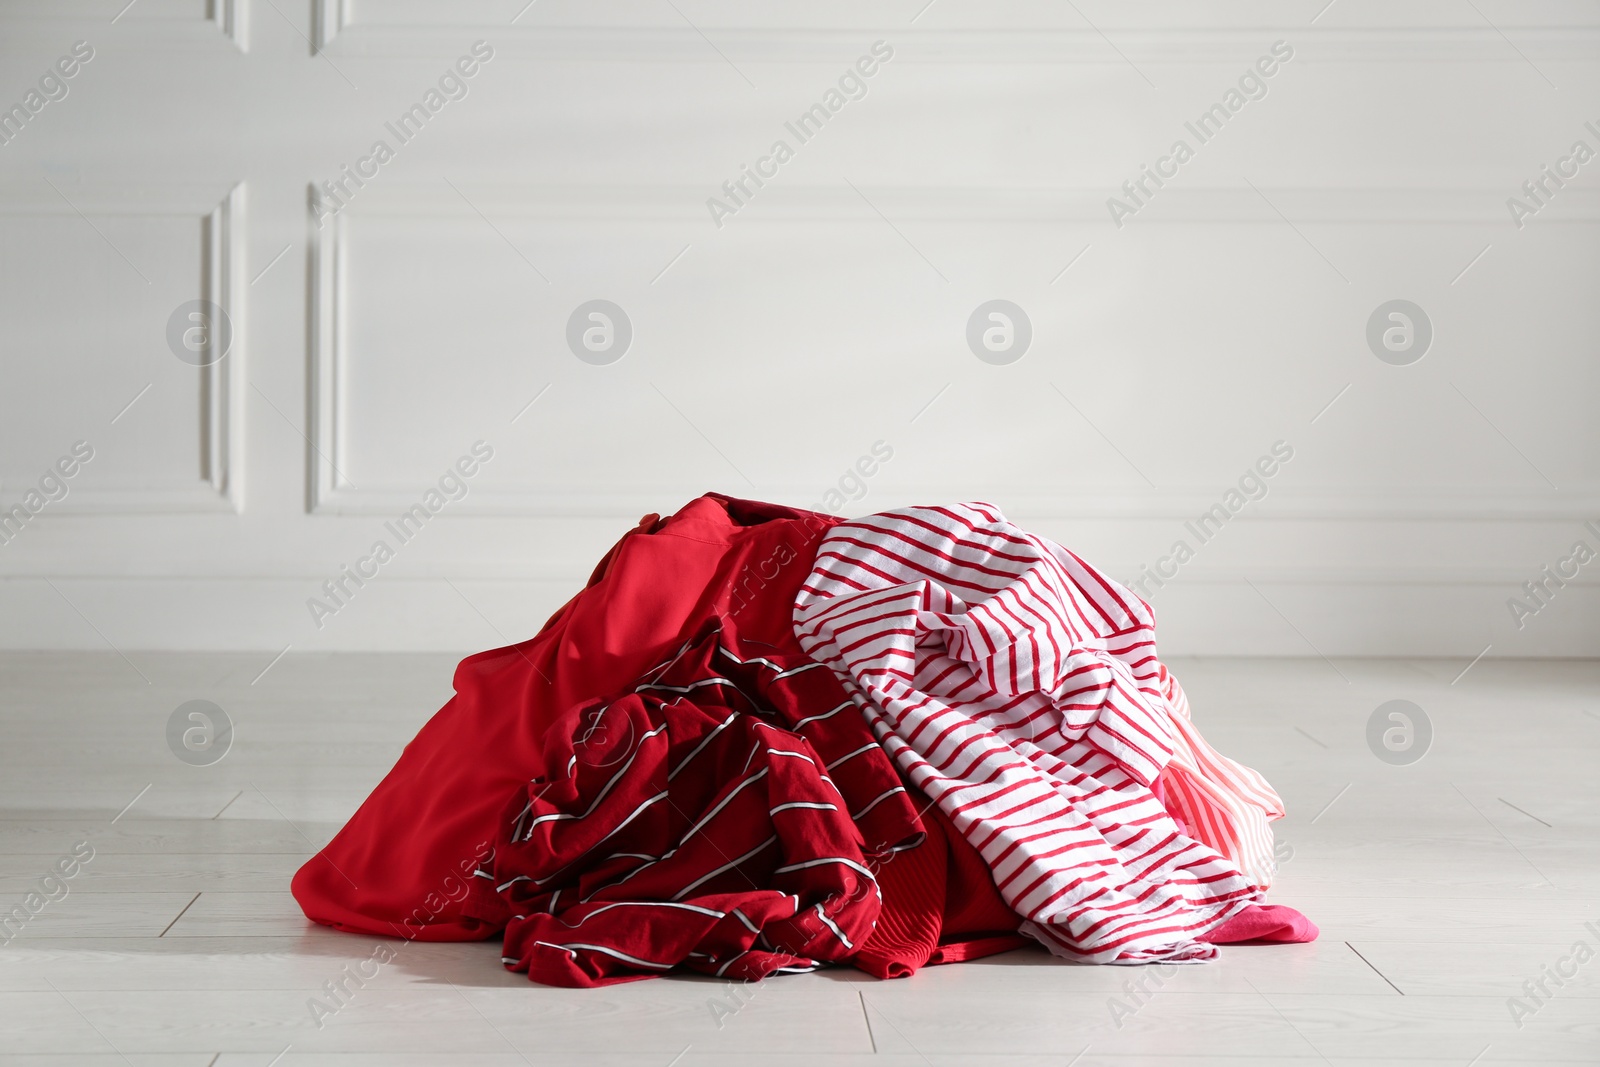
{"points": [[1219, 802], [712, 819], [1018, 687]]}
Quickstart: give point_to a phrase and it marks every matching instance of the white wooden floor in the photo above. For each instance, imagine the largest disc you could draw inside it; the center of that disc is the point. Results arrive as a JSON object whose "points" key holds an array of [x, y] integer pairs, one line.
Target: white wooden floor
{"points": [[1440, 888]]}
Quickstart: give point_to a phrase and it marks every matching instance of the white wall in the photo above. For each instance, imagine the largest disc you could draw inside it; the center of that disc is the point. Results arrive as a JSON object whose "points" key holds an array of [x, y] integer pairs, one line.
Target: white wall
{"points": [[825, 315]]}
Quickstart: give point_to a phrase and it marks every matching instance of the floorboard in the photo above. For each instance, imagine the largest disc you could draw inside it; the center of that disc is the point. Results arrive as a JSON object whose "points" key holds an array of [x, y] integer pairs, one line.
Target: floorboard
{"points": [[1446, 891]]}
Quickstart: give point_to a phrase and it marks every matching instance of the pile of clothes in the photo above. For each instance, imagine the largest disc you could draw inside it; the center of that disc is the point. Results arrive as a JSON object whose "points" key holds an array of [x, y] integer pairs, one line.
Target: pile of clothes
{"points": [[762, 740]]}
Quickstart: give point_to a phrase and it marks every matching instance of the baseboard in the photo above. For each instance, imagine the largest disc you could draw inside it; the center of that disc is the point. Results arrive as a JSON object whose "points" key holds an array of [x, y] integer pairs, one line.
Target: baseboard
{"points": [[1195, 617]]}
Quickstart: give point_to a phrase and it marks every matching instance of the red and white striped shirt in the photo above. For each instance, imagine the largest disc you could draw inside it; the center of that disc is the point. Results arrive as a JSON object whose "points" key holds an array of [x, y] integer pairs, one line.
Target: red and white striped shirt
{"points": [[1019, 688]]}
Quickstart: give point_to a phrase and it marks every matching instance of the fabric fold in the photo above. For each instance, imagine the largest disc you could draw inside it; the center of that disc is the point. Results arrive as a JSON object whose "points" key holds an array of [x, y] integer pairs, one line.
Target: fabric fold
{"points": [[1019, 688], [763, 740], [717, 577], [718, 844], [939, 905]]}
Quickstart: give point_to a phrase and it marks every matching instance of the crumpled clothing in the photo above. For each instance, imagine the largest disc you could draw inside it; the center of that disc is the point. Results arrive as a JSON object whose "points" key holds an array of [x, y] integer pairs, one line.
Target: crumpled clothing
{"points": [[1018, 687], [404, 865], [691, 829]]}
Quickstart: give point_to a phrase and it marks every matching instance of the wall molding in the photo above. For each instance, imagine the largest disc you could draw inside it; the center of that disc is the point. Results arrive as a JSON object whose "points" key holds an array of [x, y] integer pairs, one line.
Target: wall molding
{"points": [[326, 485], [45, 25], [336, 497], [575, 576], [328, 19], [222, 383], [233, 19], [1052, 44], [783, 203], [330, 492], [219, 448], [1194, 617]]}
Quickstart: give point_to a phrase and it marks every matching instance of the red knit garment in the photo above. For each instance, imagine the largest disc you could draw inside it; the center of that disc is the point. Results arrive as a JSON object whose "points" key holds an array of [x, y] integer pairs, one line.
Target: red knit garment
{"points": [[940, 905]]}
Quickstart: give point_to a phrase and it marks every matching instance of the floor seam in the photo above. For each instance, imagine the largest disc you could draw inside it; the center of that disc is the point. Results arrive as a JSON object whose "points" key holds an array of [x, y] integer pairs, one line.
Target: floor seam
{"points": [[180, 915], [229, 804], [868, 1020], [1375, 970]]}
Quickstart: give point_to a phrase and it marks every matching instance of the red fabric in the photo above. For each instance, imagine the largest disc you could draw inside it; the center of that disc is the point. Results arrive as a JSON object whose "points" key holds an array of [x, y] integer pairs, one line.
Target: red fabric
{"points": [[718, 566], [709, 828], [977, 920], [1264, 922], [913, 887], [940, 905]]}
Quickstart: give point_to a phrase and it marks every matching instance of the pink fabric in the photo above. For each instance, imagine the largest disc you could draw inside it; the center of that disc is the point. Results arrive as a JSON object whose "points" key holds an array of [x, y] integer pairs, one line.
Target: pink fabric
{"points": [[1263, 922], [1219, 802]]}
